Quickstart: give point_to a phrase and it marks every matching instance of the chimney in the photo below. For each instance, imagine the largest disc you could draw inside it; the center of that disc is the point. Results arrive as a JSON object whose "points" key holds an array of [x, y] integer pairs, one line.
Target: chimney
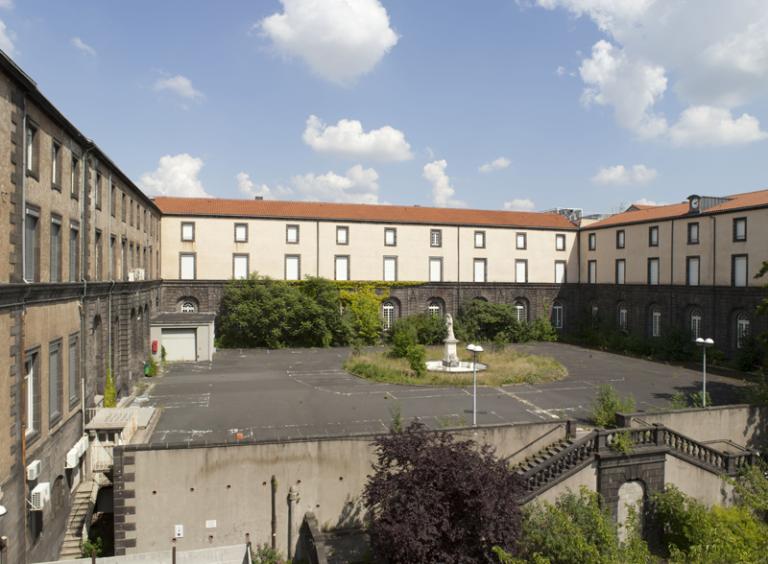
{"points": [[258, 198]]}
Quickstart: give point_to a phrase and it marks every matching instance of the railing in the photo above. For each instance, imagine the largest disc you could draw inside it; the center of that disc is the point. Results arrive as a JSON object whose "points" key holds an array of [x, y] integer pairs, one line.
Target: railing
{"points": [[555, 466]]}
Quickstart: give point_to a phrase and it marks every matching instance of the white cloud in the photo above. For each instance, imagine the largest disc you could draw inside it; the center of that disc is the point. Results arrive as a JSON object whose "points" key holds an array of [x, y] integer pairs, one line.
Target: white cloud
{"points": [[340, 40], [706, 53], [560, 70], [179, 85], [647, 202], [620, 175], [519, 204], [442, 191], [496, 164], [6, 4], [347, 138], [359, 185], [249, 188], [81, 45], [7, 37], [176, 175], [705, 125]]}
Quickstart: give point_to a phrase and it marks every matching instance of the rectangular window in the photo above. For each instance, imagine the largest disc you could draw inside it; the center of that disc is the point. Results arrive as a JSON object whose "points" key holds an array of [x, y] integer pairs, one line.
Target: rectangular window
{"points": [[620, 239], [592, 272], [521, 271], [560, 272], [31, 148], [693, 233], [342, 235], [292, 267], [341, 267], [241, 232], [113, 201], [74, 178], [99, 255], [653, 271], [239, 267], [655, 323], [56, 165], [623, 318], [97, 190], [187, 267], [435, 238], [123, 207], [390, 237], [31, 384], [739, 271], [112, 257], [292, 234], [130, 212], [390, 269], [592, 241], [692, 271], [559, 242], [74, 369], [653, 236], [54, 381], [740, 229], [74, 252], [187, 231], [480, 270], [55, 266], [557, 316], [435, 269], [621, 271], [479, 239], [521, 241]]}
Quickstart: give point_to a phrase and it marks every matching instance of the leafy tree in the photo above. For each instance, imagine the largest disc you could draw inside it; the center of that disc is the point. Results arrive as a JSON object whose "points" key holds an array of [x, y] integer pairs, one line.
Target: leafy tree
{"points": [[327, 296], [362, 314], [433, 499], [479, 320], [607, 404], [404, 337], [429, 329]]}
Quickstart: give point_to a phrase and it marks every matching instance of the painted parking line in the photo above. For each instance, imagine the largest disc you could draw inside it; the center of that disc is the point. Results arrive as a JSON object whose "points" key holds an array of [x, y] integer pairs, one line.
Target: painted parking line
{"points": [[531, 407]]}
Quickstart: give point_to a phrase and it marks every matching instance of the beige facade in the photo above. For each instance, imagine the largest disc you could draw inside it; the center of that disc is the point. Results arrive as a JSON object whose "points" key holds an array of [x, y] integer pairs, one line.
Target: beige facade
{"points": [[321, 242]]}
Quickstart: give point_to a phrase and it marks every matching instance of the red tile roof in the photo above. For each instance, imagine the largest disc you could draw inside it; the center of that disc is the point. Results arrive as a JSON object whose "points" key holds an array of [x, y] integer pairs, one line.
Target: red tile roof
{"points": [[655, 213], [359, 212]]}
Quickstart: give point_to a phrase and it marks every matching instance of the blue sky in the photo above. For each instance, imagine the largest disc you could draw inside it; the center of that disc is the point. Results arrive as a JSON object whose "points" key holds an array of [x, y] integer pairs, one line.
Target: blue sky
{"points": [[588, 103]]}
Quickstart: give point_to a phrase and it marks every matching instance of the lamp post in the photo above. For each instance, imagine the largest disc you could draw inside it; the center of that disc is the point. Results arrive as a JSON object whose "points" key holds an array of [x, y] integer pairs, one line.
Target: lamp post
{"points": [[704, 344], [474, 349]]}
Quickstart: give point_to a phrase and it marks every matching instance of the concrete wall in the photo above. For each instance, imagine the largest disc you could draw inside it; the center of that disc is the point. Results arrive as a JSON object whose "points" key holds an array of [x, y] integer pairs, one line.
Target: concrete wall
{"points": [[745, 425], [205, 335], [586, 477], [700, 484], [158, 488]]}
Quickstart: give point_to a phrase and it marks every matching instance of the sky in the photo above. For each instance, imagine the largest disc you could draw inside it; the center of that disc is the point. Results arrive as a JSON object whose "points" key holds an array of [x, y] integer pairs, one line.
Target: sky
{"points": [[495, 104]]}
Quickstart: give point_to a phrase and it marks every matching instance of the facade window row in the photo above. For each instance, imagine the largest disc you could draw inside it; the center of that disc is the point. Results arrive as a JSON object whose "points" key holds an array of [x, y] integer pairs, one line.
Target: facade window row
{"points": [[739, 271]]}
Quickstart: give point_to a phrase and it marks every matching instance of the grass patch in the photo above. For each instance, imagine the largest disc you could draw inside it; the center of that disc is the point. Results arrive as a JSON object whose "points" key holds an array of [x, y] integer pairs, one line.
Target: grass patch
{"points": [[505, 366]]}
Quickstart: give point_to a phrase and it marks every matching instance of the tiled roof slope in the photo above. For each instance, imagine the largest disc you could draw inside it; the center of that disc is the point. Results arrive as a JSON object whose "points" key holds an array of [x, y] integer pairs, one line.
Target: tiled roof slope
{"points": [[359, 212], [734, 202]]}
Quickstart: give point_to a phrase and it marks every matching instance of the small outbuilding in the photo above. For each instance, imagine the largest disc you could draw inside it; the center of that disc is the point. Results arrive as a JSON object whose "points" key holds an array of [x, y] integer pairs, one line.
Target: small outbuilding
{"points": [[186, 337]]}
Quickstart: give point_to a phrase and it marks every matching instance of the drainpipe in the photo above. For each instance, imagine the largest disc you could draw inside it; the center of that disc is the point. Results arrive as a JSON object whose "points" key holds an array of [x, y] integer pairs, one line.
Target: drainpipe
{"points": [[22, 333], [273, 539], [293, 497], [458, 269], [83, 276], [714, 274], [317, 248]]}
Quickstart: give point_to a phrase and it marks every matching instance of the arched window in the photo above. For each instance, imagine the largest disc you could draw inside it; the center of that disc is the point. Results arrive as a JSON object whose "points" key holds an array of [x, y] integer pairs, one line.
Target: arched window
{"points": [[388, 314], [655, 321], [188, 307], [558, 315], [622, 316], [742, 329], [520, 307], [436, 307], [694, 323], [595, 313]]}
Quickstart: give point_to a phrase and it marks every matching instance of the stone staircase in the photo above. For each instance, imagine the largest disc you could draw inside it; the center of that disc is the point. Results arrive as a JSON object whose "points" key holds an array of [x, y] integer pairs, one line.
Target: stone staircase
{"points": [[81, 509]]}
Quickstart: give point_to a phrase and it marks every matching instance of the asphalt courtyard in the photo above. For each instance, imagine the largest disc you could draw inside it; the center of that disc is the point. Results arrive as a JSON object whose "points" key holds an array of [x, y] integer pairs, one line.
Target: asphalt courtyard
{"points": [[261, 394]]}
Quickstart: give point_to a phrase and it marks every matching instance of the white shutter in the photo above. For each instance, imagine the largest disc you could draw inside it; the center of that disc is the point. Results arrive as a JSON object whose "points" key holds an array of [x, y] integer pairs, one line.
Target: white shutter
{"points": [[292, 268], [241, 267], [435, 270], [187, 267], [342, 268], [559, 272], [740, 271], [521, 271], [390, 269], [479, 270]]}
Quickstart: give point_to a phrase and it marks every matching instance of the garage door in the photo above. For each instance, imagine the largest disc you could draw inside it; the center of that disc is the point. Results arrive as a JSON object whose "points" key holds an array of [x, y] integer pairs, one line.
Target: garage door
{"points": [[180, 344]]}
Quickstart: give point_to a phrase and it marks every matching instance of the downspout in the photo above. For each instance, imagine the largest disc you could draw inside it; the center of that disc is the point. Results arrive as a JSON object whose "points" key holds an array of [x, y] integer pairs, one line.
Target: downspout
{"points": [[22, 316], [111, 277], [84, 229], [317, 248], [672, 257], [714, 271], [458, 269]]}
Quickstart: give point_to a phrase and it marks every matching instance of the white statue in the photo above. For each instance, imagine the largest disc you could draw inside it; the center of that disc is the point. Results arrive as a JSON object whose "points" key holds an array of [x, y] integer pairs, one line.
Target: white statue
{"points": [[449, 325]]}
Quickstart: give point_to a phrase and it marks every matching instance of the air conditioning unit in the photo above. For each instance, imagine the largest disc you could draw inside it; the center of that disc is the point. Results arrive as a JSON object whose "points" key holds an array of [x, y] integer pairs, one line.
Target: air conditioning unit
{"points": [[40, 495], [33, 470]]}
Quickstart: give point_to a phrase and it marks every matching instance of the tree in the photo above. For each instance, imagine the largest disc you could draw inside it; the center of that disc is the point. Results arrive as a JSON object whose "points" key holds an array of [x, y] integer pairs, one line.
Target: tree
{"points": [[362, 314], [435, 499], [328, 298]]}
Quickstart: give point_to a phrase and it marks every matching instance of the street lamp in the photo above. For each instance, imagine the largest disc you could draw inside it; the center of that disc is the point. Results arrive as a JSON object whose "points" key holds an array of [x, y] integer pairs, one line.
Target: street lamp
{"points": [[475, 350], [704, 344]]}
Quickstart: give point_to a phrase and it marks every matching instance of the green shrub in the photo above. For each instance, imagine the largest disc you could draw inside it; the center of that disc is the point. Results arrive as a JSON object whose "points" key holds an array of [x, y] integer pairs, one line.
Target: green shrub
{"points": [[264, 554], [751, 355], [428, 329], [152, 366], [92, 548], [110, 392], [403, 338], [163, 356], [417, 357], [541, 330], [479, 320], [607, 404], [361, 314], [622, 443]]}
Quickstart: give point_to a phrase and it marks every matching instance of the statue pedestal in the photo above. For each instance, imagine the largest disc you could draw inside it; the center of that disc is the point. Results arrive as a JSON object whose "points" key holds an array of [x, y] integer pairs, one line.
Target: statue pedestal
{"points": [[450, 358]]}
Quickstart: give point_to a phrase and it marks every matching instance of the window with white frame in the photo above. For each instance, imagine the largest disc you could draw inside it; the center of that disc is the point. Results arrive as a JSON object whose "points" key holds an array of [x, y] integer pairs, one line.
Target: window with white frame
{"points": [[74, 252], [435, 308], [188, 306], [74, 369], [740, 229], [292, 234], [435, 269], [692, 271], [187, 269], [30, 385], [435, 238], [559, 242], [621, 271], [479, 239], [653, 236], [31, 245], [55, 265], [653, 271], [560, 273], [292, 267], [693, 233], [56, 165], [521, 241], [520, 308], [187, 231], [342, 235], [592, 241], [239, 266], [241, 232], [31, 139], [742, 330], [592, 272], [390, 236], [739, 270], [621, 239], [387, 315], [480, 266], [622, 316], [341, 267], [521, 271], [390, 269], [55, 384], [594, 312], [655, 322], [695, 323], [558, 315]]}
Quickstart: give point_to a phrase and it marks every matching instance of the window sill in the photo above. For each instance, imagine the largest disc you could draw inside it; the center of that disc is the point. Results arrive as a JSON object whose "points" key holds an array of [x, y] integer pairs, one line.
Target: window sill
{"points": [[56, 187], [33, 174]]}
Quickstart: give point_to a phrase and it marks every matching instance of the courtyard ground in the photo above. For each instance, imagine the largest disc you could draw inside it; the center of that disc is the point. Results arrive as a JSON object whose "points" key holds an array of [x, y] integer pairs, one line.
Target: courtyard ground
{"points": [[293, 393]]}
